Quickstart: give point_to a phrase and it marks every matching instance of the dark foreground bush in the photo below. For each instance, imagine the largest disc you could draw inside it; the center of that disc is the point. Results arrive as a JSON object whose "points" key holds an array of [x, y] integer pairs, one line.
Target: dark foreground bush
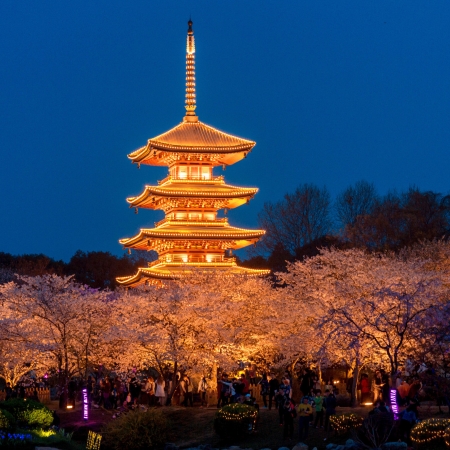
{"points": [[7, 421], [28, 412], [235, 420], [137, 430]]}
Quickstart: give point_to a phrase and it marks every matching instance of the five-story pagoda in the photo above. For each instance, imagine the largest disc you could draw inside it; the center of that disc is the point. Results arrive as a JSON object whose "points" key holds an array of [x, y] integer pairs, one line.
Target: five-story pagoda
{"points": [[191, 235]]}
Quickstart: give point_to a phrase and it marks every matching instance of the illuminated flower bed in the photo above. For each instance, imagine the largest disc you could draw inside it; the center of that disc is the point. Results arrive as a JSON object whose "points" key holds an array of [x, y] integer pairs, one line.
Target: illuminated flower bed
{"points": [[235, 420], [431, 431], [343, 423]]}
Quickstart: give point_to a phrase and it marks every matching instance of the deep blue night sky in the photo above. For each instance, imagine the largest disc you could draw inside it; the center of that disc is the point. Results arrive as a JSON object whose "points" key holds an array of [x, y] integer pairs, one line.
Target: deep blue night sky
{"points": [[332, 92]]}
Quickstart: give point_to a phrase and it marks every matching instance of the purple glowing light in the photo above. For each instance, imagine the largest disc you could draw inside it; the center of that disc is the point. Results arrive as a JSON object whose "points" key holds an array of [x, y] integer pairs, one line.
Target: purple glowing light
{"points": [[394, 406], [85, 405]]}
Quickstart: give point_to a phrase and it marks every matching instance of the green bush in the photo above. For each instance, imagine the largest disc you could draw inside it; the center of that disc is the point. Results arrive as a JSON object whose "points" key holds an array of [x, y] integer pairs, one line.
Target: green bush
{"points": [[145, 430], [7, 420], [28, 412], [235, 420], [56, 439]]}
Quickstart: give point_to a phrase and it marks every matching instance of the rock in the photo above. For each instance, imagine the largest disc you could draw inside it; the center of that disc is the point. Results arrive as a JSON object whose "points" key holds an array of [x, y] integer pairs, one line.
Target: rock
{"points": [[284, 448], [234, 447], [45, 448], [300, 446], [170, 446], [350, 443]]}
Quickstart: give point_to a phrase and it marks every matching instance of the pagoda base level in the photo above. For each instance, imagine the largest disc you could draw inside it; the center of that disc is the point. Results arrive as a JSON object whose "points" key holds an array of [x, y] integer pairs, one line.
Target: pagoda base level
{"points": [[157, 274]]}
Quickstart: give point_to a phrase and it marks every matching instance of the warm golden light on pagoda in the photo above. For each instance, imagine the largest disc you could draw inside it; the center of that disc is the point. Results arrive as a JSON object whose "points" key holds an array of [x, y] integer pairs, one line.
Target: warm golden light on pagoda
{"points": [[191, 235]]}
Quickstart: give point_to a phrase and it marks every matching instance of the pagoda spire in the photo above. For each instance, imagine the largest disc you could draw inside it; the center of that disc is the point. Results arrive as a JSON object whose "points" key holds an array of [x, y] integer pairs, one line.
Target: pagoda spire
{"points": [[190, 75]]}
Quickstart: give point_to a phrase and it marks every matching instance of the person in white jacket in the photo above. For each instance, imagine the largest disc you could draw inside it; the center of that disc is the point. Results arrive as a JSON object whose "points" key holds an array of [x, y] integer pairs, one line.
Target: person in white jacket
{"points": [[159, 393], [202, 388]]}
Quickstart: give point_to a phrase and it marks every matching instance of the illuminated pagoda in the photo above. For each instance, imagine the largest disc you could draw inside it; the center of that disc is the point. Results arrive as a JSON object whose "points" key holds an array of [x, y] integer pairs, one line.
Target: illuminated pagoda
{"points": [[191, 235]]}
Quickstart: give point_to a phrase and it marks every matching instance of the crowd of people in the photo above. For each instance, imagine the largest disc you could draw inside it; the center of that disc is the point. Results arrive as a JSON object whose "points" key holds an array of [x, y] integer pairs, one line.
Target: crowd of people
{"points": [[316, 404]]}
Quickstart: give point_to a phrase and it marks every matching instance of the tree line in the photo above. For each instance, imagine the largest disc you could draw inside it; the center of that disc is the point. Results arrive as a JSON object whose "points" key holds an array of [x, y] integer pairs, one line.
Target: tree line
{"points": [[94, 269], [308, 219]]}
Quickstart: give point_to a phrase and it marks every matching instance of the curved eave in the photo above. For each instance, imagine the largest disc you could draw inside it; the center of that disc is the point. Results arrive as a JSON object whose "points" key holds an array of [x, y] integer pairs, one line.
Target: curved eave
{"points": [[161, 272], [151, 195], [191, 137], [159, 157], [189, 235]]}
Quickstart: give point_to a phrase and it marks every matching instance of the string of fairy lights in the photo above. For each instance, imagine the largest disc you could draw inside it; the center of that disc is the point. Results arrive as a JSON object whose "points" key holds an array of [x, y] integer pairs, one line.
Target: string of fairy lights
{"points": [[237, 412], [430, 430], [343, 423]]}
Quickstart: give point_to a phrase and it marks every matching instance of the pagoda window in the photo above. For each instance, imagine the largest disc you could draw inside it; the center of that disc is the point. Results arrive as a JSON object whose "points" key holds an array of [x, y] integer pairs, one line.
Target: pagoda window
{"points": [[209, 216], [182, 172], [206, 173], [195, 172], [195, 216], [181, 216]]}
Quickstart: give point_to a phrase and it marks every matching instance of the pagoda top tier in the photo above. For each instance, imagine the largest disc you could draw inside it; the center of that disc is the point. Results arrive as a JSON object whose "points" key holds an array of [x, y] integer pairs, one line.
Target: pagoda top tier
{"points": [[192, 139]]}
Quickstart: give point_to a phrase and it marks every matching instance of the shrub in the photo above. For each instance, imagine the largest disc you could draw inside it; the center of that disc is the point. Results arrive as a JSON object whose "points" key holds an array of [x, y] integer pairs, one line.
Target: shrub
{"points": [[52, 438], [235, 420], [343, 423], [7, 420], [145, 430], [28, 412]]}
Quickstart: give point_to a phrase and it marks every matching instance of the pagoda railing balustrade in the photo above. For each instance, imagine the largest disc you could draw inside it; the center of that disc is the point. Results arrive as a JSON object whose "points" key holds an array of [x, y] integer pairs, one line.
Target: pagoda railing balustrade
{"points": [[192, 259], [191, 178], [168, 219]]}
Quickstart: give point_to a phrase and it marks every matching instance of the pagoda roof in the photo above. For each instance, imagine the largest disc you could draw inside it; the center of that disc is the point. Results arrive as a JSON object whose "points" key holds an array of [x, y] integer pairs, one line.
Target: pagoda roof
{"points": [[169, 271], [197, 232], [152, 195], [192, 137]]}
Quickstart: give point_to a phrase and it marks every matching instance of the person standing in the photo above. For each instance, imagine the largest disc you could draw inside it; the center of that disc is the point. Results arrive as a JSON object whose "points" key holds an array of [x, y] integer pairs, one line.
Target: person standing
{"points": [[159, 392], [284, 392], [246, 385], [377, 387], [289, 414], [150, 391], [330, 410], [304, 413], [365, 388], [186, 390], [318, 406], [224, 390], [273, 389], [202, 389], [264, 383]]}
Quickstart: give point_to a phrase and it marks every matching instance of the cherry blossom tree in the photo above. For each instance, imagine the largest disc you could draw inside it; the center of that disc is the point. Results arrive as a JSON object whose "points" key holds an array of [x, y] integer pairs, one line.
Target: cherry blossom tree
{"points": [[60, 321], [374, 301], [199, 322], [16, 361]]}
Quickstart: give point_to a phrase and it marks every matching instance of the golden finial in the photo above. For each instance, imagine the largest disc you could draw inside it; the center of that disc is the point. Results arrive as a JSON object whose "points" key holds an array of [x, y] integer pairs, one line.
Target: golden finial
{"points": [[190, 75]]}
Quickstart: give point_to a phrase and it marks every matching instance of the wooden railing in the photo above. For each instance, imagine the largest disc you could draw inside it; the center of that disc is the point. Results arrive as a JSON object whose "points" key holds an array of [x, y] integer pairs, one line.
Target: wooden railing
{"points": [[43, 394]]}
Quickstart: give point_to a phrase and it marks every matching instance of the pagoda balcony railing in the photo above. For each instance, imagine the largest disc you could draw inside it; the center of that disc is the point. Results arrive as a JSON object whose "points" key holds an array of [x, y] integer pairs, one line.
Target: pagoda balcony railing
{"points": [[191, 178], [193, 221], [192, 259]]}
